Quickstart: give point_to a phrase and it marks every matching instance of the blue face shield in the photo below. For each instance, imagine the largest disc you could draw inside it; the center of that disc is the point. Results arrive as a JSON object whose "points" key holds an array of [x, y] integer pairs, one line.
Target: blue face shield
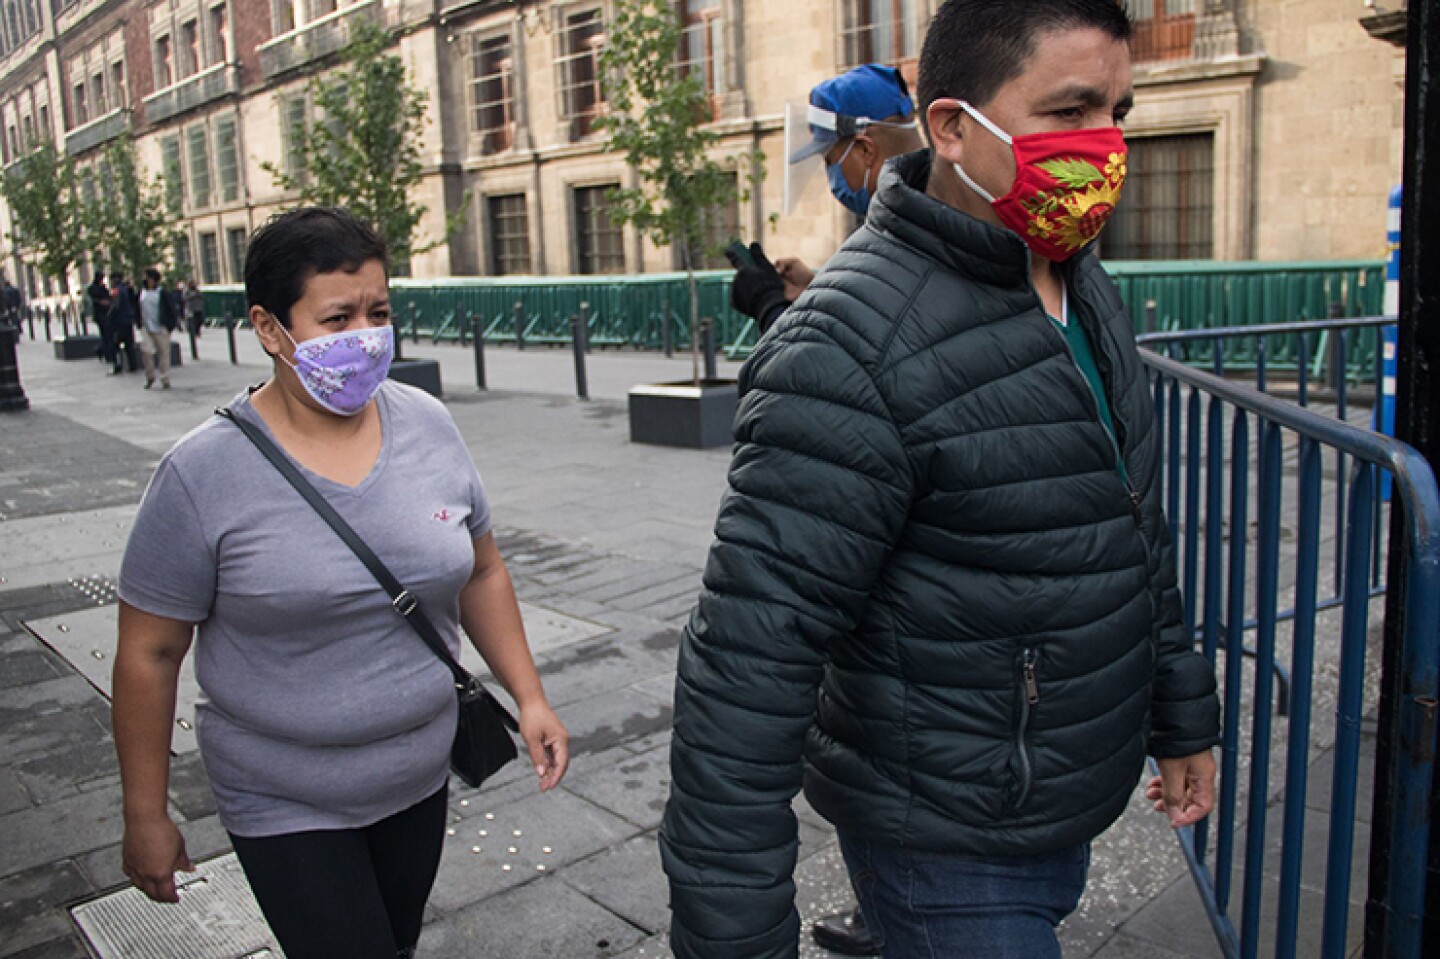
{"points": [[856, 201]]}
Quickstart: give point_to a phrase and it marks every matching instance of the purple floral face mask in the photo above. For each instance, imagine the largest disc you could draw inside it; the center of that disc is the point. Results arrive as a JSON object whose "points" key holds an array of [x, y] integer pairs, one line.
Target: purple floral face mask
{"points": [[342, 371]]}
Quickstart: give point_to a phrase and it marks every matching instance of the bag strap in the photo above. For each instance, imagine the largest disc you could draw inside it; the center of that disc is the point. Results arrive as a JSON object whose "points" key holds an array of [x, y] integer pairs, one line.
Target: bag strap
{"points": [[404, 601]]}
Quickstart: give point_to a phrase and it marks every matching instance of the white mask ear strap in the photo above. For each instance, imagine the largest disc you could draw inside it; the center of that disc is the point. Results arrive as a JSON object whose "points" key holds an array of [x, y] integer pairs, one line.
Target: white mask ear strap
{"points": [[972, 184], [984, 121]]}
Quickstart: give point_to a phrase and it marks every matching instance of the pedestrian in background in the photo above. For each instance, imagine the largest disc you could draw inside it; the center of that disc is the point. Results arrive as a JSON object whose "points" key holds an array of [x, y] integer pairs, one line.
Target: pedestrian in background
{"points": [[327, 721], [194, 308], [99, 295], [943, 591], [124, 315], [158, 319]]}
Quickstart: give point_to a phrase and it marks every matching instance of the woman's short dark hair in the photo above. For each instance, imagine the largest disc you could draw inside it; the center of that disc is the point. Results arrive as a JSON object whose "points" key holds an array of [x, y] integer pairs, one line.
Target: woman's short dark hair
{"points": [[291, 247], [974, 47]]}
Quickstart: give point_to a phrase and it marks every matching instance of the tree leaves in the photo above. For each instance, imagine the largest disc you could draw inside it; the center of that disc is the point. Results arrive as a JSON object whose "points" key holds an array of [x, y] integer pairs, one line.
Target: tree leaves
{"points": [[362, 151], [48, 216]]}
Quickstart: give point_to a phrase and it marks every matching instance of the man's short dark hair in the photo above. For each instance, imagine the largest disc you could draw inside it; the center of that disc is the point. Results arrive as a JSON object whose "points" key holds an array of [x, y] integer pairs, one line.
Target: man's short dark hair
{"points": [[152, 274], [292, 247], [974, 47]]}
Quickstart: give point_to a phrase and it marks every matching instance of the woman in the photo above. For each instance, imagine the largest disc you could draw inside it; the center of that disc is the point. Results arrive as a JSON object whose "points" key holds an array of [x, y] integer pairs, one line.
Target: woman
{"points": [[327, 722]]}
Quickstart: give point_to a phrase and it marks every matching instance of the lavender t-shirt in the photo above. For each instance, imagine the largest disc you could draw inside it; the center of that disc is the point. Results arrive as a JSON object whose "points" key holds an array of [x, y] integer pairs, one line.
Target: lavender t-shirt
{"points": [[322, 707]]}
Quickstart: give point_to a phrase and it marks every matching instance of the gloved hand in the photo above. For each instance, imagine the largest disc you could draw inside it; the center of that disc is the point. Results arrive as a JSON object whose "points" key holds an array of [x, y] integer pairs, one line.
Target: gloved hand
{"points": [[757, 290]]}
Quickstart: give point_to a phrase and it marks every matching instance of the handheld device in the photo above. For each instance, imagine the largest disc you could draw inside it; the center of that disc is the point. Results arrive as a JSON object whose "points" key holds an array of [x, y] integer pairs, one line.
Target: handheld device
{"points": [[739, 255]]}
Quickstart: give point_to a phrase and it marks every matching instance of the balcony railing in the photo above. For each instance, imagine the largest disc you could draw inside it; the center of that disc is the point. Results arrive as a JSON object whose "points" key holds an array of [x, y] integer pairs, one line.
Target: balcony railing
{"points": [[314, 40], [193, 91], [97, 132]]}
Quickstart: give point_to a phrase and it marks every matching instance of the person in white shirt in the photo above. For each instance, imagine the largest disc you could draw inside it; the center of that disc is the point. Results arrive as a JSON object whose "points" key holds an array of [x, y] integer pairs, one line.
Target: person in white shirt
{"points": [[157, 320]]}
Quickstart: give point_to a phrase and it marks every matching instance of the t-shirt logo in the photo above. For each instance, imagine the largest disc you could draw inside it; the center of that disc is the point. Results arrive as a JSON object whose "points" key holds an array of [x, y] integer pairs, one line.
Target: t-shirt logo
{"points": [[441, 516]]}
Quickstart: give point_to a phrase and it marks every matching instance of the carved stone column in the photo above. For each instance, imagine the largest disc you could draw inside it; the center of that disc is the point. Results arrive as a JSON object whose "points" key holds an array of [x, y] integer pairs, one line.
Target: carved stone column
{"points": [[1217, 35]]}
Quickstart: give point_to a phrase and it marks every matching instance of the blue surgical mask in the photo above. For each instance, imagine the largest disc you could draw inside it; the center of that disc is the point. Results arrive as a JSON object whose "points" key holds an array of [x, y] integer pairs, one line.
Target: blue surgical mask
{"points": [[856, 201]]}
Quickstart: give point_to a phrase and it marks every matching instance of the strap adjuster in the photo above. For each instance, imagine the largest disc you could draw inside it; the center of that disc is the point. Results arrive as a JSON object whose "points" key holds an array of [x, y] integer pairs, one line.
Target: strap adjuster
{"points": [[405, 603]]}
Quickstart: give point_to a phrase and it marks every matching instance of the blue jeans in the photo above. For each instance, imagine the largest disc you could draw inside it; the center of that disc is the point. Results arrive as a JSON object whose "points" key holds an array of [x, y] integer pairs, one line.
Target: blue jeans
{"points": [[921, 905]]}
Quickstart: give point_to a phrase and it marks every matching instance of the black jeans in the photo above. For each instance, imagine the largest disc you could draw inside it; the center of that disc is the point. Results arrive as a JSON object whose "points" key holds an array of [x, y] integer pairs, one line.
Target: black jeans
{"points": [[348, 893]]}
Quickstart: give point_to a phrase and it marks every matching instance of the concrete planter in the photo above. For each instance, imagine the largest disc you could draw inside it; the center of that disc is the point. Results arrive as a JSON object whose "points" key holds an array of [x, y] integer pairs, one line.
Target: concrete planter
{"points": [[77, 348], [424, 374], [683, 414]]}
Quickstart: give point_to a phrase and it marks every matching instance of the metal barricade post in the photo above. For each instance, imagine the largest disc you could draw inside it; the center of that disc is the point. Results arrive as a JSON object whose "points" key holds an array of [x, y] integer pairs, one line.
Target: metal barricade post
{"points": [[479, 335], [578, 339], [230, 338]]}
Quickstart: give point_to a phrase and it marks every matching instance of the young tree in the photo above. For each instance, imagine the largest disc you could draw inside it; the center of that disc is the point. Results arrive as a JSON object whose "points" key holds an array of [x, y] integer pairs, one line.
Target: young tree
{"points": [[363, 153], [131, 213], [46, 211], [656, 116]]}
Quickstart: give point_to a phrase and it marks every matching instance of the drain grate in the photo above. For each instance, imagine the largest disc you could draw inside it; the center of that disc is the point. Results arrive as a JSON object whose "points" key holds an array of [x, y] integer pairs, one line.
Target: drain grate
{"points": [[216, 918]]}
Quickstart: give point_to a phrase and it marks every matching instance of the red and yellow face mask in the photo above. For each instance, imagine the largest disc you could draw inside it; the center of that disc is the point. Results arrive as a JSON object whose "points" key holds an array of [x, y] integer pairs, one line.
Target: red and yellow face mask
{"points": [[1066, 185]]}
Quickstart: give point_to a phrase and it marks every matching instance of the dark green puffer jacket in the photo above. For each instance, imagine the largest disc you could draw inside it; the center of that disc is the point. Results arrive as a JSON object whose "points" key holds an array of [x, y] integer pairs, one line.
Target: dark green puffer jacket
{"points": [[928, 579]]}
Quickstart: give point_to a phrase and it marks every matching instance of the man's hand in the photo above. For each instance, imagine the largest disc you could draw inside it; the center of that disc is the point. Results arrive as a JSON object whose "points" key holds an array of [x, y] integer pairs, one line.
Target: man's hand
{"points": [[796, 276], [757, 290], [1185, 788]]}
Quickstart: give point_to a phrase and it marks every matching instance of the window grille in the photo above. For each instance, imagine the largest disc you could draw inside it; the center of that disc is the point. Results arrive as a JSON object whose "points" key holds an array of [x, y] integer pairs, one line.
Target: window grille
{"points": [[292, 112], [580, 39], [599, 243], [492, 78], [1168, 211], [174, 173], [1164, 29], [879, 31], [209, 259], [702, 45], [509, 222], [227, 160], [237, 239], [199, 149]]}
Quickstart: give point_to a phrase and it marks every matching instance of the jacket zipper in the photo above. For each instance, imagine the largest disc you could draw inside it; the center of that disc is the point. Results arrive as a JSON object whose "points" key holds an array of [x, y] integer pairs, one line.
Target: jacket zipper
{"points": [[1029, 698]]}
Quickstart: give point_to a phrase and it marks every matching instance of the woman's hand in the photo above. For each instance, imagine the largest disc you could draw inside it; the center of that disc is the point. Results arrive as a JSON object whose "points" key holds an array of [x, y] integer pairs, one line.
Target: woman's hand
{"points": [[548, 742], [153, 851], [1185, 788]]}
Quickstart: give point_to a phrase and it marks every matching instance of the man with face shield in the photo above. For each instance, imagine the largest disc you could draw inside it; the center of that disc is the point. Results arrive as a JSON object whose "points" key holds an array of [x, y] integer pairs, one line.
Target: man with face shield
{"points": [[942, 595], [855, 122]]}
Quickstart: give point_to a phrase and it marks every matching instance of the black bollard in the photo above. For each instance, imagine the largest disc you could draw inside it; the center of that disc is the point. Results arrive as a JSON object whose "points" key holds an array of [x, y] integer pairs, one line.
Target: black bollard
{"points": [[194, 347], [414, 323], [46, 314], [585, 325], [1149, 322], [707, 347], [479, 336], [667, 336], [64, 324], [12, 394], [519, 325], [30, 318], [230, 337], [578, 339], [399, 344]]}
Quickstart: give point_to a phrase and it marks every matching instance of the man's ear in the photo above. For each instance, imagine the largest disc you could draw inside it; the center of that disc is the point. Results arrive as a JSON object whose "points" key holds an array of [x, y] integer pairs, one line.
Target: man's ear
{"points": [[944, 117]]}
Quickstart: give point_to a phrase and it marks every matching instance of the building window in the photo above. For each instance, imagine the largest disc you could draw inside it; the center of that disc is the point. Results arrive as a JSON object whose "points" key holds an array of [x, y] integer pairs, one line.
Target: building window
{"points": [[164, 68], [702, 44], [719, 226], [102, 99], [509, 223], [599, 243], [1168, 212], [579, 71], [82, 106], [1164, 29], [235, 240], [218, 38], [209, 259], [880, 31], [320, 8], [189, 48], [282, 16], [292, 113], [198, 143], [492, 77], [184, 262], [174, 173], [117, 83], [227, 160]]}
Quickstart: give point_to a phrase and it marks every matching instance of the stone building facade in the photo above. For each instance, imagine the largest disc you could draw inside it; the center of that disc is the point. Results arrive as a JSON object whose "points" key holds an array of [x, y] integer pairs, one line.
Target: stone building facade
{"points": [[1264, 129]]}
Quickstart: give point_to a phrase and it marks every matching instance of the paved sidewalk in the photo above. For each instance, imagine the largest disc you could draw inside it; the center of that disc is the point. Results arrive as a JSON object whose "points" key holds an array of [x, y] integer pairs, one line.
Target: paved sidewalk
{"points": [[605, 540]]}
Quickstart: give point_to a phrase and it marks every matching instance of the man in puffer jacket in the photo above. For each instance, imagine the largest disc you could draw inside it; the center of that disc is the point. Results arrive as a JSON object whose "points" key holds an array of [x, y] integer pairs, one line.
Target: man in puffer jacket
{"points": [[942, 590]]}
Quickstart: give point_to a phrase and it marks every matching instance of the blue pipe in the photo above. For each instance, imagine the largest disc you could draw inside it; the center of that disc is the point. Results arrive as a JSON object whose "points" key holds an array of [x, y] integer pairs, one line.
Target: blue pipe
{"points": [[1234, 657]]}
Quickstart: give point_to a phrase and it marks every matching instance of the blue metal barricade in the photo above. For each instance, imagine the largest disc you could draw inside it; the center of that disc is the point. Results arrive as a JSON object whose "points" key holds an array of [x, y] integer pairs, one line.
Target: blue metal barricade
{"points": [[1276, 459]]}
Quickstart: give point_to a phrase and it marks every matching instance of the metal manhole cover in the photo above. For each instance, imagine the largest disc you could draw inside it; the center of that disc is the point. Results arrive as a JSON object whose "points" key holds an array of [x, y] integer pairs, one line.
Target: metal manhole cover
{"points": [[217, 918]]}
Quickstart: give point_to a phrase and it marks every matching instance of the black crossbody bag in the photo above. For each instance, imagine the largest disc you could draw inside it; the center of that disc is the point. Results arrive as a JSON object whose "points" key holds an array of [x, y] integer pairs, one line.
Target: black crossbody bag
{"points": [[482, 743]]}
